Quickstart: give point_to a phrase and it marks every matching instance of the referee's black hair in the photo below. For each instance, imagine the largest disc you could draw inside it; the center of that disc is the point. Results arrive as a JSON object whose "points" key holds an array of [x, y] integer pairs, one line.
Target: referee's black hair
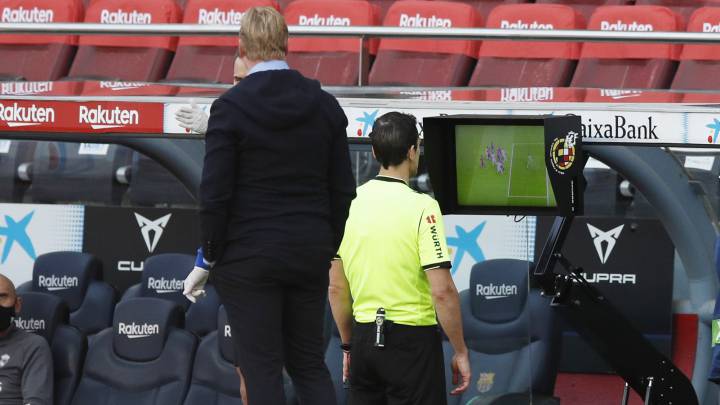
{"points": [[392, 136]]}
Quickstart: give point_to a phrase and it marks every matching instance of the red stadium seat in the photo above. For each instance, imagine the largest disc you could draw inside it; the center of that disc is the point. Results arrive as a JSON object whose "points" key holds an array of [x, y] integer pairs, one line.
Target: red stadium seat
{"points": [[587, 7], [683, 7], [126, 58], [521, 64], [485, 7], [625, 65], [210, 59], [700, 62], [535, 95], [631, 96], [333, 61], [37, 57], [426, 62]]}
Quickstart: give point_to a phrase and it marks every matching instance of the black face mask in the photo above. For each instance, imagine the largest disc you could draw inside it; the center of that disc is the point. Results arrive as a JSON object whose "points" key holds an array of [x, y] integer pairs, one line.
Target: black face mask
{"points": [[6, 316]]}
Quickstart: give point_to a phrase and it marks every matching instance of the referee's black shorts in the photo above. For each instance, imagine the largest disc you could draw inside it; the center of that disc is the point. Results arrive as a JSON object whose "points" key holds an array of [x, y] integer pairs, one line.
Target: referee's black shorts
{"points": [[409, 370]]}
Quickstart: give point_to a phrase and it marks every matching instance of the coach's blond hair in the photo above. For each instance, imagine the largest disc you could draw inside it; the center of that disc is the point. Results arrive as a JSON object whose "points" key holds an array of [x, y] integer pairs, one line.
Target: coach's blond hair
{"points": [[264, 34]]}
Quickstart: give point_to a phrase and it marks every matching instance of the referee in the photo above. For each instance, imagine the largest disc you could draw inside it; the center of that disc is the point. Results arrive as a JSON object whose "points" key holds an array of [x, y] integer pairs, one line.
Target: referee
{"points": [[393, 259]]}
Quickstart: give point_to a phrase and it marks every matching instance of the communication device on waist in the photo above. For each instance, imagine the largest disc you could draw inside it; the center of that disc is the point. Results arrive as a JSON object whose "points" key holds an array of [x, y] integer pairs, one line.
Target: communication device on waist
{"points": [[380, 328]]}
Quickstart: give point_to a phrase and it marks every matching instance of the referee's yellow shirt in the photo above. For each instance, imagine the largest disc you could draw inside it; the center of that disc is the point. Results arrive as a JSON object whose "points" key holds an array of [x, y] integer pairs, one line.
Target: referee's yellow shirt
{"points": [[392, 236]]}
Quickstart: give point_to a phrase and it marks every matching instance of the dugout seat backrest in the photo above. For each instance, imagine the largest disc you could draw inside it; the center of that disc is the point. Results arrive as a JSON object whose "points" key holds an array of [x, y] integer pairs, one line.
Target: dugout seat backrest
{"points": [[533, 94], [37, 57], [485, 7], [151, 184], [426, 62], [47, 316], [13, 154], [144, 359], [631, 96], [332, 61], [699, 62], [587, 7], [519, 64], [163, 277], [74, 172], [126, 58], [75, 278], [210, 59], [626, 65], [510, 332]]}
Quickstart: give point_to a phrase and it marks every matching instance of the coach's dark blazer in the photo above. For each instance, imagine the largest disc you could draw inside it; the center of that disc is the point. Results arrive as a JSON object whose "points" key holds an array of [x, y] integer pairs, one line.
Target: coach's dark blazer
{"points": [[277, 172]]}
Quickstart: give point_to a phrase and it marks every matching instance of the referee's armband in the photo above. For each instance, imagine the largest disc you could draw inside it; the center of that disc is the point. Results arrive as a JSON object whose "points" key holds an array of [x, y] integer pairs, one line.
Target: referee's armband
{"points": [[432, 244]]}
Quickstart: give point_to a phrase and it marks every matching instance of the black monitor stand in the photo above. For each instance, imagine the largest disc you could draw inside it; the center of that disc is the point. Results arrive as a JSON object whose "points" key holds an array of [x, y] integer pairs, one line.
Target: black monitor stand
{"points": [[644, 369]]}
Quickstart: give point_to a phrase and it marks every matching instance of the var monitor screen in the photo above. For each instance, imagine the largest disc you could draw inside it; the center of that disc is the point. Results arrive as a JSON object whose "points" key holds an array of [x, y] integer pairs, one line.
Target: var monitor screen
{"points": [[528, 165], [502, 165]]}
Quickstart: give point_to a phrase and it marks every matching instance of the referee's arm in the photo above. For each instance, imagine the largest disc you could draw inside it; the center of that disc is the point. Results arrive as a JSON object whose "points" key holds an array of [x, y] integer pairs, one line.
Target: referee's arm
{"points": [[340, 300]]}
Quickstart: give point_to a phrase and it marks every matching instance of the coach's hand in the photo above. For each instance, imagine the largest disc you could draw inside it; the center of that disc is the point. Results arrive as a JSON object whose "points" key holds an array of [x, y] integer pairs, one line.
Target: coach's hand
{"points": [[460, 373], [194, 285], [192, 118]]}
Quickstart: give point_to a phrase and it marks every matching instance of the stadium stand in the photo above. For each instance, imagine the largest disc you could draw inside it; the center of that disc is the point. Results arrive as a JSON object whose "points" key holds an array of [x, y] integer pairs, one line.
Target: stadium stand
{"points": [[622, 66], [37, 57], [587, 7], [514, 63], [630, 96], [163, 277], [527, 94], [333, 61], [698, 62], [72, 172], [152, 185], [47, 316], [15, 156], [75, 278], [145, 358], [210, 59], [515, 339], [426, 62], [124, 58]]}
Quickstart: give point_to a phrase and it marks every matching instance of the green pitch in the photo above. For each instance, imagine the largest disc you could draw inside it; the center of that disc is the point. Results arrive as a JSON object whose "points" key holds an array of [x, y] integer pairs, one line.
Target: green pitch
{"points": [[523, 180]]}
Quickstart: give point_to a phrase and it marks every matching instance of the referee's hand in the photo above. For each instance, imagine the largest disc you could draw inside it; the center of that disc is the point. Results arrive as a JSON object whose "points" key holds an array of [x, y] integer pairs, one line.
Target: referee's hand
{"points": [[461, 373]]}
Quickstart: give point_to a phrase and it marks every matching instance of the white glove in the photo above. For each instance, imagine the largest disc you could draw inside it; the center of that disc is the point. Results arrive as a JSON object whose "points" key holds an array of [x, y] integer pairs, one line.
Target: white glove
{"points": [[194, 284], [192, 118]]}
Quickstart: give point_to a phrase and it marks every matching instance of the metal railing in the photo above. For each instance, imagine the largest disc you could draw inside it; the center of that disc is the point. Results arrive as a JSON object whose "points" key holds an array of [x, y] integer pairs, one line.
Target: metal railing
{"points": [[366, 32]]}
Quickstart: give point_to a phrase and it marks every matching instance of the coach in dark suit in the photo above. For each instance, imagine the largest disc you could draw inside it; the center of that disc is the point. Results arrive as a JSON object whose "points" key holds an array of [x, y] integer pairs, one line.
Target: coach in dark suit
{"points": [[275, 193]]}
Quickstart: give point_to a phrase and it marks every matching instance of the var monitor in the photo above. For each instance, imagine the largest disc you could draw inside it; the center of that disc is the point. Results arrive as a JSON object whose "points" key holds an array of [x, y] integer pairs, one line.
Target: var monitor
{"points": [[506, 165]]}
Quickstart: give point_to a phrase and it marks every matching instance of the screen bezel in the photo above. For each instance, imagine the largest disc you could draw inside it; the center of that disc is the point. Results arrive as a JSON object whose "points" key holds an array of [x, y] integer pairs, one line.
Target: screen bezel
{"points": [[452, 174]]}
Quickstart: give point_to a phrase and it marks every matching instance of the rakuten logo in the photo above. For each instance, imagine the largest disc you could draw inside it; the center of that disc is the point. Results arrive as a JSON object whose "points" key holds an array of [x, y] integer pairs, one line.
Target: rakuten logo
{"points": [[100, 118], [227, 332], [25, 88], [119, 86], [123, 17], [621, 26], [30, 324], [418, 21], [328, 21], [620, 94], [708, 27], [527, 94], [21, 15], [219, 17], [610, 278], [521, 25], [55, 283], [621, 129], [164, 286], [17, 116], [137, 330], [492, 291]]}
